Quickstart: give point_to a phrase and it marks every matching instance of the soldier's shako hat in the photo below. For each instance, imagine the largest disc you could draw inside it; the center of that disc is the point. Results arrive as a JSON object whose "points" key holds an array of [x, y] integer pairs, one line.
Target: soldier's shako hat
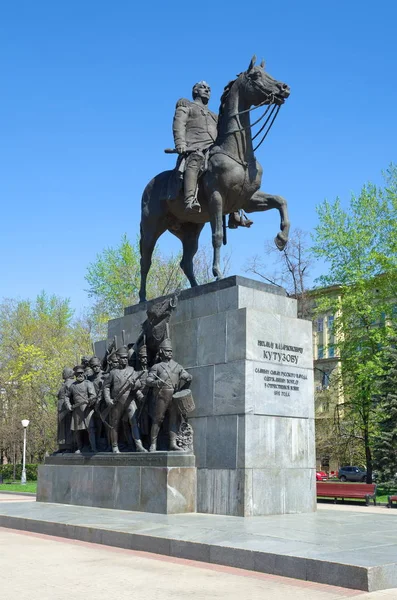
{"points": [[122, 352], [95, 362], [166, 344], [142, 351], [78, 369]]}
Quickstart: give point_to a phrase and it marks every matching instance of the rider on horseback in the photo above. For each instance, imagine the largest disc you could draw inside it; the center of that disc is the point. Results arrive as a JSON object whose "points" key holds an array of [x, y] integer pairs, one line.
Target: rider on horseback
{"points": [[195, 131]]}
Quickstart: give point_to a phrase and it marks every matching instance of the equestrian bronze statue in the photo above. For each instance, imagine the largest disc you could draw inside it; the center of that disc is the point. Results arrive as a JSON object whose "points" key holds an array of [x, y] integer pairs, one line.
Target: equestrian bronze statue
{"points": [[229, 183]]}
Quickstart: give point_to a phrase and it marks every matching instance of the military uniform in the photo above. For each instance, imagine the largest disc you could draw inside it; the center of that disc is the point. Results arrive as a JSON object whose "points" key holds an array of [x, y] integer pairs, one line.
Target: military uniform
{"points": [[97, 380], [166, 378], [65, 436], [117, 392], [195, 127], [82, 396]]}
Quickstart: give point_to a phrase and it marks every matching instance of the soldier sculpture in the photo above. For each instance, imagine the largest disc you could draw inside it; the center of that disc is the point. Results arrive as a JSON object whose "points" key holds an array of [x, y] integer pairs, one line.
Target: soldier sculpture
{"points": [[118, 389], [166, 378], [65, 436], [80, 397]]}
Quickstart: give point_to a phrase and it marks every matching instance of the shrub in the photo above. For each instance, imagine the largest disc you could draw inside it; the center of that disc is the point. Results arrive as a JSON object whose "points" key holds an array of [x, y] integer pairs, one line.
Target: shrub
{"points": [[7, 472]]}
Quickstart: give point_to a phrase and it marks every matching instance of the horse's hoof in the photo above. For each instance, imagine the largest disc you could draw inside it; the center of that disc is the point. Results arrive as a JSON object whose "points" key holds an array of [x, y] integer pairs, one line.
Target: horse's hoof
{"points": [[280, 241]]}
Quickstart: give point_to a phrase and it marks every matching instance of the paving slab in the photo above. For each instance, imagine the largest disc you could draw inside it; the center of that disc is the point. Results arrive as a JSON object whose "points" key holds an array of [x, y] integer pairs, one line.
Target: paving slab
{"points": [[354, 549]]}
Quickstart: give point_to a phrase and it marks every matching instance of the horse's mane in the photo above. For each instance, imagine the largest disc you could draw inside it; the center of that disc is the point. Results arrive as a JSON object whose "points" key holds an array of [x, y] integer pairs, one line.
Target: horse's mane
{"points": [[224, 96]]}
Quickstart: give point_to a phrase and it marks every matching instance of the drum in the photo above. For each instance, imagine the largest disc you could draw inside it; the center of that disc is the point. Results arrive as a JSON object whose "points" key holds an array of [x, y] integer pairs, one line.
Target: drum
{"points": [[184, 401]]}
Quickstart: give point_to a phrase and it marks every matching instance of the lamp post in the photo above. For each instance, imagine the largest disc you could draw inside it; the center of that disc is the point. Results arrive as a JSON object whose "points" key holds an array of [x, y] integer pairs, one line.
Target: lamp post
{"points": [[25, 423]]}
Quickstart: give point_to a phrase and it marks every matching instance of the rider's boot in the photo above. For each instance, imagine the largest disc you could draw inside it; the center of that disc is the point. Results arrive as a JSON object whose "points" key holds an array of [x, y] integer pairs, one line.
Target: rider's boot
{"points": [[192, 205], [236, 219]]}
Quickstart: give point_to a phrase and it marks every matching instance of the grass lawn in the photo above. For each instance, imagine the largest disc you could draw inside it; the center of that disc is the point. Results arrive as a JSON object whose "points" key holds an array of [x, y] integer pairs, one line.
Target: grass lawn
{"points": [[30, 486]]}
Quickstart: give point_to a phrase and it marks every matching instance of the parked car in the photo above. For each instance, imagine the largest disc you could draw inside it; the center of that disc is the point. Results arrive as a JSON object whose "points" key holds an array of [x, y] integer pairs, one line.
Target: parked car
{"points": [[321, 476], [352, 474]]}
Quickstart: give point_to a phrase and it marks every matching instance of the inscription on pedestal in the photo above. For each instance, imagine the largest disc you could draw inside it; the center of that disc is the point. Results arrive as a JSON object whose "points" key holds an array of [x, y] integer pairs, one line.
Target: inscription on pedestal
{"points": [[281, 382]]}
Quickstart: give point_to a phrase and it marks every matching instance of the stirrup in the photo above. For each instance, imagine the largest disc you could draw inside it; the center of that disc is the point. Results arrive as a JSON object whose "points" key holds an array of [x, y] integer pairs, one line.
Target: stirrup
{"points": [[192, 206]]}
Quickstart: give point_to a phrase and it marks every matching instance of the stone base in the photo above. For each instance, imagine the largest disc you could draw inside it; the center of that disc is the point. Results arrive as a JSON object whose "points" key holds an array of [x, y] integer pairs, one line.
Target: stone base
{"points": [[162, 482], [251, 360]]}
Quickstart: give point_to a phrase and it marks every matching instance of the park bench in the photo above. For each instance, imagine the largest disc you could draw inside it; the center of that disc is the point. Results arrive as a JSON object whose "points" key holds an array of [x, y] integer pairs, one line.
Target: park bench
{"points": [[364, 491], [390, 500]]}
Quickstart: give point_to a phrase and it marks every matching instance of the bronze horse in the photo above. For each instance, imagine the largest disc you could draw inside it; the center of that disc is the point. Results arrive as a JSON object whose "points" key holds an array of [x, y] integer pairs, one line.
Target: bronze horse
{"points": [[230, 183]]}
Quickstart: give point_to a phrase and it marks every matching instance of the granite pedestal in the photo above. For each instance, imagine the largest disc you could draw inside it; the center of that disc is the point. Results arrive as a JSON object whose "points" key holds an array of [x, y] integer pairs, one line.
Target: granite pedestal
{"points": [[162, 482], [252, 366]]}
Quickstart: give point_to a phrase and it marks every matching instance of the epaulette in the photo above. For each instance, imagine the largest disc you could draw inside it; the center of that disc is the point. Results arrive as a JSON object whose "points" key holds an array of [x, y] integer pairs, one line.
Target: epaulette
{"points": [[183, 102]]}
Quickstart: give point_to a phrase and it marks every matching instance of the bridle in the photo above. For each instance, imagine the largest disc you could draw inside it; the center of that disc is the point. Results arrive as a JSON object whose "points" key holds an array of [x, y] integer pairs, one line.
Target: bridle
{"points": [[274, 110]]}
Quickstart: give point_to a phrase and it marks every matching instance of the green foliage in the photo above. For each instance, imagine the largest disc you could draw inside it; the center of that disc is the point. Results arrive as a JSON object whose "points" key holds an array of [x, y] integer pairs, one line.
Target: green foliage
{"points": [[37, 340], [7, 471], [360, 246], [114, 279], [385, 450]]}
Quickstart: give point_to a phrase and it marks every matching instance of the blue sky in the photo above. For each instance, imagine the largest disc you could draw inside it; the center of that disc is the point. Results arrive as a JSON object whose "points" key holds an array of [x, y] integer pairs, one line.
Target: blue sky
{"points": [[88, 95]]}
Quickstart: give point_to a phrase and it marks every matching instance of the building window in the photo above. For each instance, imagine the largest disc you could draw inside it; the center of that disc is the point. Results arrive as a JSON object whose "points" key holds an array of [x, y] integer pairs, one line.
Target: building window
{"points": [[330, 321], [331, 351], [325, 380], [320, 325], [320, 352]]}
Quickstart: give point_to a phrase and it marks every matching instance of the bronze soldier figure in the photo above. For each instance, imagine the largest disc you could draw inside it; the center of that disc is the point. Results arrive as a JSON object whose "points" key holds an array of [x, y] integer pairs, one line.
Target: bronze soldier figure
{"points": [[65, 436], [81, 397], [117, 391], [97, 380], [85, 363], [166, 378], [142, 393], [195, 130]]}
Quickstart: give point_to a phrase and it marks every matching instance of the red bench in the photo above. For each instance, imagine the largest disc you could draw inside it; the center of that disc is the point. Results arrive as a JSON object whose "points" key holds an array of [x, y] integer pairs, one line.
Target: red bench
{"points": [[390, 500], [364, 491]]}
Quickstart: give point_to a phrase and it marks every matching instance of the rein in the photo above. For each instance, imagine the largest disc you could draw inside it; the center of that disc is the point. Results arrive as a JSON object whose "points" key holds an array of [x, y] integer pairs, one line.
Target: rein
{"points": [[273, 113]]}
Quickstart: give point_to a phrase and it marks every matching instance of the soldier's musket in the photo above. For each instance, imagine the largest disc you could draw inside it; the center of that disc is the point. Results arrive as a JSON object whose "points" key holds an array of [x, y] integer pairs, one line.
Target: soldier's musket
{"points": [[124, 387]]}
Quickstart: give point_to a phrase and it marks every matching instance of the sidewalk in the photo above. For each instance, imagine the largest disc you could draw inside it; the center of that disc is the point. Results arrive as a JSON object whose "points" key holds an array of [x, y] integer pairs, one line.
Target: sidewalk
{"points": [[60, 569]]}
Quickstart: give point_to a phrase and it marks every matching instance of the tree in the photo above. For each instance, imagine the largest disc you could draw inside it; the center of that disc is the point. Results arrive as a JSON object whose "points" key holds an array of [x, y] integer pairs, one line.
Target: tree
{"points": [[385, 447], [114, 279], [291, 268], [37, 340], [360, 247]]}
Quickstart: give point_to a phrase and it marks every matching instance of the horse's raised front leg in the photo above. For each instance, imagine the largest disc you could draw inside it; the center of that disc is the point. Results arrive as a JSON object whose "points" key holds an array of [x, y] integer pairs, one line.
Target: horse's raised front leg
{"points": [[261, 201], [189, 236], [215, 210]]}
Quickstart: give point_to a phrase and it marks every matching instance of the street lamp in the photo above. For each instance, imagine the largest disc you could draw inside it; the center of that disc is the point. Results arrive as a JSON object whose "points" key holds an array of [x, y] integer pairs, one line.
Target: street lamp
{"points": [[25, 423]]}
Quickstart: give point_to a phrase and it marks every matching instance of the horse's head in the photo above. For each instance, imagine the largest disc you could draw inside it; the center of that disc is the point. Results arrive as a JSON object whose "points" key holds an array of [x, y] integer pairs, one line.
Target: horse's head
{"points": [[261, 88]]}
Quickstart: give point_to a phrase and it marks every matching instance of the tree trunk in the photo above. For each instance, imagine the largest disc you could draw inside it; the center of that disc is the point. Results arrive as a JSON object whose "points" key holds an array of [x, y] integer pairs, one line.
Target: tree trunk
{"points": [[368, 456]]}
